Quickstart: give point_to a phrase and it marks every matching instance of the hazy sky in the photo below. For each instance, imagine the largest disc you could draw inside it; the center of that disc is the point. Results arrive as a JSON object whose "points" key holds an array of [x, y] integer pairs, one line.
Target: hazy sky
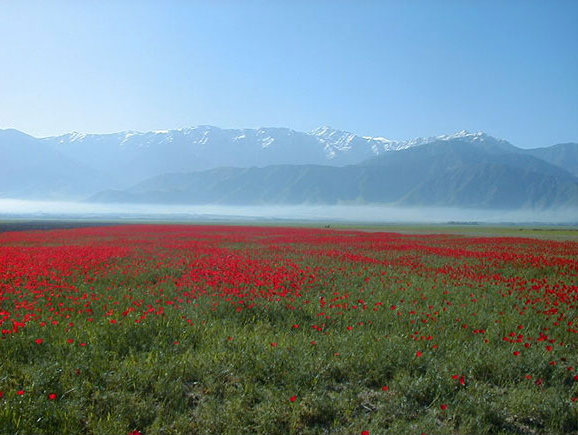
{"points": [[397, 69]]}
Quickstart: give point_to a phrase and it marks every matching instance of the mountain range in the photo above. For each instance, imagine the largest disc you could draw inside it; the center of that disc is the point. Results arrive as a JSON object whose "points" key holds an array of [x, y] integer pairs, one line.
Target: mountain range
{"points": [[207, 164]]}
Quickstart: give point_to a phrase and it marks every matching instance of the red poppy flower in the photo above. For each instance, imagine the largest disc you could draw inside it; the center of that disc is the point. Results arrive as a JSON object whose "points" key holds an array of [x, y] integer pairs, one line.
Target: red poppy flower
{"points": [[39, 341], [21, 392], [444, 407], [385, 388], [419, 353], [293, 398], [53, 396]]}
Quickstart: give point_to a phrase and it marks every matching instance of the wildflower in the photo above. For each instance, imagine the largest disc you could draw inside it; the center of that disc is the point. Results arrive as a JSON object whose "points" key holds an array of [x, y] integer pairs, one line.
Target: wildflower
{"points": [[53, 396], [293, 398], [385, 388], [443, 406], [39, 341]]}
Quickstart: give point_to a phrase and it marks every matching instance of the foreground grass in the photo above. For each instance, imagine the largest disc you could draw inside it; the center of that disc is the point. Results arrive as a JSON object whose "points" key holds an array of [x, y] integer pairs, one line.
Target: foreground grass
{"points": [[367, 347]]}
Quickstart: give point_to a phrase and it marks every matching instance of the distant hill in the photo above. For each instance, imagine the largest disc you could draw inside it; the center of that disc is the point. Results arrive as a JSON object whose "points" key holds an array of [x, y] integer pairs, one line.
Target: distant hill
{"points": [[281, 166], [134, 156], [486, 173], [564, 155], [31, 169]]}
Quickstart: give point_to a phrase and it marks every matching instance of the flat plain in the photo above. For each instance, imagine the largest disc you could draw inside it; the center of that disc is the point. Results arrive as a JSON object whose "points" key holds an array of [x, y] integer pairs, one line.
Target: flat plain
{"points": [[156, 328]]}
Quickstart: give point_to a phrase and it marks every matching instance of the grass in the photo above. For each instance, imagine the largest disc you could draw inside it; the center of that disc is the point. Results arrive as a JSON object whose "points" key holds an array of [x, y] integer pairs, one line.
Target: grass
{"points": [[363, 346]]}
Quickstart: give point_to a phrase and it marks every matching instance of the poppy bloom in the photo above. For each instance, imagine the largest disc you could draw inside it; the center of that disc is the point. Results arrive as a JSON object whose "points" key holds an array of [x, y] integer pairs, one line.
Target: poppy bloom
{"points": [[39, 341], [419, 353], [53, 396], [293, 398], [385, 388], [21, 393], [444, 407]]}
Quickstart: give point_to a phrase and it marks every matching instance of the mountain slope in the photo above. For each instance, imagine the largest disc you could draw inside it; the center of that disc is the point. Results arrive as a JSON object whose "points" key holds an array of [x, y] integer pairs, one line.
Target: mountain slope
{"points": [[564, 155], [134, 156], [453, 172], [32, 170]]}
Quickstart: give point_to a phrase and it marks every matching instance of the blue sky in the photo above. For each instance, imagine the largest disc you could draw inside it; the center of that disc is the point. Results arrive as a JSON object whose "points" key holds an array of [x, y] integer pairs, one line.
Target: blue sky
{"points": [[398, 69]]}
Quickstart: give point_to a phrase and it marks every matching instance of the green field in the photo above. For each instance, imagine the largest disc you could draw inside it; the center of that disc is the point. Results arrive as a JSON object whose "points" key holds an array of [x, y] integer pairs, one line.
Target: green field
{"points": [[166, 329]]}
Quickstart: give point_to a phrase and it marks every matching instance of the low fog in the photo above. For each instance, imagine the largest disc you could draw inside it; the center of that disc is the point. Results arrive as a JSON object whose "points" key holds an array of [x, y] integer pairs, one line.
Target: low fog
{"points": [[22, 209]]}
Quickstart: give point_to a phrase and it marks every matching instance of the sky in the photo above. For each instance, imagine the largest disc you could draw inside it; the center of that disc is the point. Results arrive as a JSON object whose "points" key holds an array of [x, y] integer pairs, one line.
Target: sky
{"points": [[397, 69]]}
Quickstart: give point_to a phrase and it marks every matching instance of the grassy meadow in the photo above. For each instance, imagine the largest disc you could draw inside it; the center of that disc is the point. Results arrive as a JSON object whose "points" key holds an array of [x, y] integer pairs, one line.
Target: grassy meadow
{"points": [[181, 329]]}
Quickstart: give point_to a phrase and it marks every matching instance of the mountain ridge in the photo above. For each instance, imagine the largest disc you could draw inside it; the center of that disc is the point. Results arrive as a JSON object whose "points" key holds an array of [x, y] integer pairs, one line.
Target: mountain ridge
{"points": [[79, 165]]}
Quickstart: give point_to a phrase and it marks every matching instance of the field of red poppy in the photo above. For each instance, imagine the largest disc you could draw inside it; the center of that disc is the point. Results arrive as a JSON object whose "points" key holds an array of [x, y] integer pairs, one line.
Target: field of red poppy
{"points": [[213, 329]]}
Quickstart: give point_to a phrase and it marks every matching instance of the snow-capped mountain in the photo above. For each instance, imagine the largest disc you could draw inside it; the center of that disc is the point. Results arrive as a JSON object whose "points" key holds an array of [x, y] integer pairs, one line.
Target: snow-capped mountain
{"points": [[135, 155], [76, 165]]}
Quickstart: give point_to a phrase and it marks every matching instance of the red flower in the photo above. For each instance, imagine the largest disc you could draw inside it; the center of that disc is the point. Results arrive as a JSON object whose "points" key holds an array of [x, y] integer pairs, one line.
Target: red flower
{"points": [[39, 341], [549, 348], [70, 340], [293, 398], [516, 353], [444, 407], [1, 394], [21, 392], [365, 432], [385, 388], [53, 396], [419, 353], [274, 344]]}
